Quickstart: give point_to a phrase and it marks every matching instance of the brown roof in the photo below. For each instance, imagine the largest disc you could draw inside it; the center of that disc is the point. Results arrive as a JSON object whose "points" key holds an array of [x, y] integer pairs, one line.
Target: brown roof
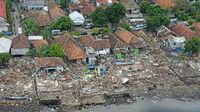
{"points": [[49, 62], [52, 4], [56, 12], [115, 42], [129, 38], [196, 26], [106, 1], [72, 49], [37, 44], [184, 31], [41, 17], [101, 44], [83, 7], [20, 42], [166, 3], [87, 40]]}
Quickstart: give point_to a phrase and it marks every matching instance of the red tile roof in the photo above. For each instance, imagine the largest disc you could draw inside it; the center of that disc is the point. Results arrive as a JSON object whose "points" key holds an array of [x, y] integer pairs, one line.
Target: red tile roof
{"points": [[196, 26], [56, 12], [129, 38], [166, 3], [3, 8], [84, 7], [87, 40], [37, 44], [115, 42], [20, 42], [101, 44], [41, 17], [49, 62], [72, 49], [184, 31]]}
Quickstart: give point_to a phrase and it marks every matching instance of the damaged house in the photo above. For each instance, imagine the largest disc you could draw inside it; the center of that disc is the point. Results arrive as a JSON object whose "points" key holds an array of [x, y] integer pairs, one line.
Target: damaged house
{"points": [[49, 64], [100, 46]]}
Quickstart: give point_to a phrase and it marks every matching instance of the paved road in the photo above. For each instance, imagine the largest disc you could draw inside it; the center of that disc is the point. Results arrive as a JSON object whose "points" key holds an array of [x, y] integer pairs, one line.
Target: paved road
{"points": [[16, 17]]}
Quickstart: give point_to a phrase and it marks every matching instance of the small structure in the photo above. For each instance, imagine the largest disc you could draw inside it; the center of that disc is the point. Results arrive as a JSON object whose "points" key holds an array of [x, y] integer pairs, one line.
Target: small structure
{"points": [[5, 45], [77, 18], [72, 49], [20, 45], [50, 64], [33, 4], [41, 17], [32, 38], [105, 2], [3, 24], [176, 43], [91, 59]]}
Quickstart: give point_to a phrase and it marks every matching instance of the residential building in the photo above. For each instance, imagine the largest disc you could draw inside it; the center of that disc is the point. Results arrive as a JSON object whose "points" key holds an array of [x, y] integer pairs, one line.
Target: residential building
{"points": [[49, 64], [37, 44], [33, 4], [56, 13], [166, 3], [105, 2], [5, 45], [72, 49], [176, 43], [20, 45], [41, 17], [130, 39], [3, 17]]}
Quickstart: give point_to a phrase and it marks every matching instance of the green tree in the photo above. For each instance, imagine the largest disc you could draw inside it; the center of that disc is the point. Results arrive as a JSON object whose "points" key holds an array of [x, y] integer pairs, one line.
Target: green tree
{"points": [[31, 27], [193, 45], [115, 13], [8, 13], [95, 31], [64, 3], [54, 50], [4, 58], [181, 15], [64, 23], [46, 32], [107, 30], [126, 26], [155, 10], [144, 6], [32, 53], [183, 5], [99, 18], [154, 22]]}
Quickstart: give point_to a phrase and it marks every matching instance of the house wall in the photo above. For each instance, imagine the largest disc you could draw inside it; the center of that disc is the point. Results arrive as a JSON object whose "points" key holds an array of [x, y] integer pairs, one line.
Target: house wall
{"points": [[19, 51], [103, 51], [58, 68]]}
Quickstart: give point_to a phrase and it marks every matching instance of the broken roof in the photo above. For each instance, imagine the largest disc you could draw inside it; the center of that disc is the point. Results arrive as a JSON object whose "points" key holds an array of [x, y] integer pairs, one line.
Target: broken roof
{"points": [[41, 17], [37, 44], [20, 42], [115, 42], [72, 49], [46, 62], [5, 45]]}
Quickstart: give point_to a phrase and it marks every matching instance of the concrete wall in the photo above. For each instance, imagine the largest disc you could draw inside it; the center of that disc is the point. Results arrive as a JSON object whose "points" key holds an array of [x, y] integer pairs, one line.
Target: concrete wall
{"points": [[19, 51], [103, 51]]}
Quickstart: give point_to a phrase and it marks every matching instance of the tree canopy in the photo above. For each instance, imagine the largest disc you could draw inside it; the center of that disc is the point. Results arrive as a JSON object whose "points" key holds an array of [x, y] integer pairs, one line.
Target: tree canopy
{"points": [[53, 50], [99, 18], [4, 58], [115, 13], [193, 45], [64, 23], [31, 27]]}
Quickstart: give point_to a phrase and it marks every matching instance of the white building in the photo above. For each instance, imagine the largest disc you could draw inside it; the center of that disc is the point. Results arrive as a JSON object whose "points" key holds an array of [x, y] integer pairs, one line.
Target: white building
{"points": [[77, 18], [176, 42], [5, 45]]}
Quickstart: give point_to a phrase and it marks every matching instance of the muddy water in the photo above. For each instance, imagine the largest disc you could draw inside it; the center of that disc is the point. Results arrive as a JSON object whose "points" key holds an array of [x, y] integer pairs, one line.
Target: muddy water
{"points": [[167, 105]]}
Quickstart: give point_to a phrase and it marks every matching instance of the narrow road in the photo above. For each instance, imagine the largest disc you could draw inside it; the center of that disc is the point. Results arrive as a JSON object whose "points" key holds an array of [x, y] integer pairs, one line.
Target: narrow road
{"points": [[16, 18]]}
